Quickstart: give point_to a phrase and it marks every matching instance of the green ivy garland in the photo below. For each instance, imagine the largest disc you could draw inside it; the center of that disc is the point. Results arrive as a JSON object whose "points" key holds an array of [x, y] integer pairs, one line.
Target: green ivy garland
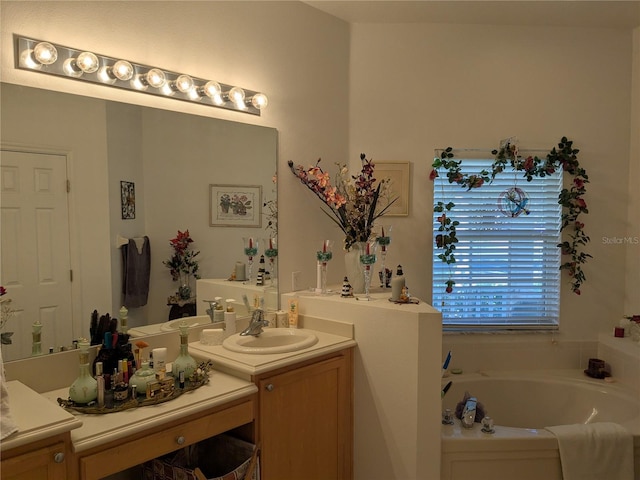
{"points": [[564, 156]]}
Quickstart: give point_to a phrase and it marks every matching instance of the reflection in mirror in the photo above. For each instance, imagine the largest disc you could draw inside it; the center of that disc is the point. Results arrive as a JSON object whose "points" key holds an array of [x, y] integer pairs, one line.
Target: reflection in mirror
{"points": [[168, 161]]}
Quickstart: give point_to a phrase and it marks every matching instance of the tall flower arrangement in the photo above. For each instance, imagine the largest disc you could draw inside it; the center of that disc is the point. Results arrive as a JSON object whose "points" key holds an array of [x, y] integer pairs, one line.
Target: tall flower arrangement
{"points": [[6, 313], [182, 264], [352, 200]]}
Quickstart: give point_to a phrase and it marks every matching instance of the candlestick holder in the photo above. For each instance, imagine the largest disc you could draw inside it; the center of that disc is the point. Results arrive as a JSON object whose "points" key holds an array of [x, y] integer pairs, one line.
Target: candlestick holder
{"points": [[384, 240], [367, 260], [271, 252], [251, 245], [324, 255]]}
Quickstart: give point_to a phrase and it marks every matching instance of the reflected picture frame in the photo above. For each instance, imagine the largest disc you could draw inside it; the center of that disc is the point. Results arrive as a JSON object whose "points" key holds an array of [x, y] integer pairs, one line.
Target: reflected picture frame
{"points": [[128, 200], [399, 175], [235, 206]]}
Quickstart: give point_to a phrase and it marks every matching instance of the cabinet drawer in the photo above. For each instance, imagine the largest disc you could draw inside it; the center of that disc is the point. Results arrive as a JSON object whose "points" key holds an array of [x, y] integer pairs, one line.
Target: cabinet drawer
{"points": [[145, 447], [44, 463]]}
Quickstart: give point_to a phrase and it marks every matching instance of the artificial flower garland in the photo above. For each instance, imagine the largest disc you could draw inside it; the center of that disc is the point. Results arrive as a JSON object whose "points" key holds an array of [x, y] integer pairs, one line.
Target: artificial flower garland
{"points": [[565, 157]]}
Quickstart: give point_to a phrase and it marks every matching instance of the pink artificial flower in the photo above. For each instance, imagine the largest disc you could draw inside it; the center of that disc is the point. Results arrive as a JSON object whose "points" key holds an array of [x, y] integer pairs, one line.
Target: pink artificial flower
{"points": [[433, 175]]}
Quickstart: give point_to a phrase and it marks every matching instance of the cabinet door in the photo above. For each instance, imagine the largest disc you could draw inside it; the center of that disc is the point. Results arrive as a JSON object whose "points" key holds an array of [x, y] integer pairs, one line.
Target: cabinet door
{"points": [[306, 424], [42, 464]]}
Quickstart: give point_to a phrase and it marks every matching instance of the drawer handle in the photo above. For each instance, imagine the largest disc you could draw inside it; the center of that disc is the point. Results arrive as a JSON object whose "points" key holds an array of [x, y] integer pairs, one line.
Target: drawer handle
{"points": [[58, 457], [270, 387], [180, 440]]}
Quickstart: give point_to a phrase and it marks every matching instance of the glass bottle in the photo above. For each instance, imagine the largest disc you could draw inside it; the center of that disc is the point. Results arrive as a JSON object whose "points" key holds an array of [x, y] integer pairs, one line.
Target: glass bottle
{"points": [[185, 362], [36, 345], [85, 388]]}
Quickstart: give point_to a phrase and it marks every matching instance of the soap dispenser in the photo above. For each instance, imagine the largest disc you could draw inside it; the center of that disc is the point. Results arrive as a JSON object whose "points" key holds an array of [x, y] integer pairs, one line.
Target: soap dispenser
{"points": [[230, 318], [184, 366], [218, 311], [85, 388], [397, 284]]}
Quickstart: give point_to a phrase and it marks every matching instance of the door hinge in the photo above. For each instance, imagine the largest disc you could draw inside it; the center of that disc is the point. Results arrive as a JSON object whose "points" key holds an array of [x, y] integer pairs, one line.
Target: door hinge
{"points": [[71, 275], [68, 186]]}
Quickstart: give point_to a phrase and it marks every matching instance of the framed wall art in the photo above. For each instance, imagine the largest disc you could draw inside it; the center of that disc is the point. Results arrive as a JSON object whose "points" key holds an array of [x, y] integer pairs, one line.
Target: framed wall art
{"points": [[128, 200], [398, 175], [235, 205]]}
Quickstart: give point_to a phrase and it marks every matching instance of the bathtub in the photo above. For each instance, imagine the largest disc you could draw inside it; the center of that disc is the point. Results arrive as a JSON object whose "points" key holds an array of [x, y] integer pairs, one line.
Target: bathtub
{"points": [[522, 404]]}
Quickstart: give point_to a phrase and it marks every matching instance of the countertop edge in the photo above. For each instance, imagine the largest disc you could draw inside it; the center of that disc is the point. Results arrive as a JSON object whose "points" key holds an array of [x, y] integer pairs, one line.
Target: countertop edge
{"points": [[20, 439]]}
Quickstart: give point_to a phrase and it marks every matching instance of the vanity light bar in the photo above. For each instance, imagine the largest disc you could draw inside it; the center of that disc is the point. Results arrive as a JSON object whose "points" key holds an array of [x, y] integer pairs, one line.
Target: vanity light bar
{"points": [[53, 59]]}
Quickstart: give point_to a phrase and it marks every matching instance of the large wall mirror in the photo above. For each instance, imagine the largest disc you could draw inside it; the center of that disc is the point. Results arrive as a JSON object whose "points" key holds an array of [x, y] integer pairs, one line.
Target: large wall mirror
{"points": [[169, 158]]}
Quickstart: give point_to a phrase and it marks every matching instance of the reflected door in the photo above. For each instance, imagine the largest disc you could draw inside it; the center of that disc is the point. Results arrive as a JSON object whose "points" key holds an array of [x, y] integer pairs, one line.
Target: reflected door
{"points": [[36, 268]]}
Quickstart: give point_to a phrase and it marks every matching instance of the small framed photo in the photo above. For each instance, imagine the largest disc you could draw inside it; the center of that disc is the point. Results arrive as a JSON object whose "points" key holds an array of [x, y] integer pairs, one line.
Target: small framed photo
{"points": [[235, 205], [399, 184], [128, 200]]}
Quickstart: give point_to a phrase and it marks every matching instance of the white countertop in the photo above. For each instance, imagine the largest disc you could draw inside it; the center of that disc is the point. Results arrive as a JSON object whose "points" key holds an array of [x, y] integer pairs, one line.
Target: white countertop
{"points": [[97, 429], [36, 417], [250, 364]]}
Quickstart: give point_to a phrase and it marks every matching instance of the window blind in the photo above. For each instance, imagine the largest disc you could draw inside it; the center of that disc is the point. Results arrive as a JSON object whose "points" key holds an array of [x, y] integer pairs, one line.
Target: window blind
{"points": [[506, 271]]}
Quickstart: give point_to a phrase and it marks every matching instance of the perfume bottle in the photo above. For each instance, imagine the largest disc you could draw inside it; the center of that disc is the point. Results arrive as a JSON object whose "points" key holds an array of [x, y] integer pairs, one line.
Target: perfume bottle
{"points": [[85, 388], [185, 362]]}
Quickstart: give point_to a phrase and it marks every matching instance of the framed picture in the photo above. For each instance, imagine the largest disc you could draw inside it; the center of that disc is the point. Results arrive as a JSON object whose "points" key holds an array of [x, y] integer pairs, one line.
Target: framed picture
{"points": [[128, 200], [235, 205], [398, 175]]}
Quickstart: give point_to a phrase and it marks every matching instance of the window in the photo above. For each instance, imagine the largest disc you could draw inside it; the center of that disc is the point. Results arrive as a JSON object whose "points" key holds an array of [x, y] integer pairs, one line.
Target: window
{"points": [[506, 271]]}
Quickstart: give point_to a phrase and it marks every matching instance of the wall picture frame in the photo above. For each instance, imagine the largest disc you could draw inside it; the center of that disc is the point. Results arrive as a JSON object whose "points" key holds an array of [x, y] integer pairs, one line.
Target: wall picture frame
{"points": [[128, 200], [235, 205], [398, 174]]}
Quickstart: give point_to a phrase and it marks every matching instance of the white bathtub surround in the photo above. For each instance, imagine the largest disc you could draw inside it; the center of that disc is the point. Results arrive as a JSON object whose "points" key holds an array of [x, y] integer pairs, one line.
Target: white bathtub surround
{"points": [[398, 366], [623, 357], [474, 352], [522, 405], [595, 451]]}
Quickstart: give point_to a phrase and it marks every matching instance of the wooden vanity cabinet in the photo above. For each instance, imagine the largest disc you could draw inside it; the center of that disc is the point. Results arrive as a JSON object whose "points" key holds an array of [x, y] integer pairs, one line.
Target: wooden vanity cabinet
{"points": [[41, 460], [305, 421], [151, 443]]}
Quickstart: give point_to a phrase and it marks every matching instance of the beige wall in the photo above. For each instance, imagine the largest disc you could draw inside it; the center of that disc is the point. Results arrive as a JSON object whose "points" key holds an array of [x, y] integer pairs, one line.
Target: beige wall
{"points": [[416, 87], [295, 54]]}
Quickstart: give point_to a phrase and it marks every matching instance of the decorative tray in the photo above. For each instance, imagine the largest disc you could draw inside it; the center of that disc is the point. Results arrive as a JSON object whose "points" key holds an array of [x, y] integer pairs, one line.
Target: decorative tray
{"points": [[199, 378]]}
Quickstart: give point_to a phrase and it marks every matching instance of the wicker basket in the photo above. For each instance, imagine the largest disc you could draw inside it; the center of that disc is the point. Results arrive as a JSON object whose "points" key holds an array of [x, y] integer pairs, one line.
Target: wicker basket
{"points": [[222, 457]]}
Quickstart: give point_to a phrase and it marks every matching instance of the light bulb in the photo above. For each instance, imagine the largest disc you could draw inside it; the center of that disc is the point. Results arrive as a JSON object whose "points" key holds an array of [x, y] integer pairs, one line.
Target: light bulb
{"points": [[236, 95], [155, 78], [45, 53], [122, 70], [210, 89], [184, 83], [87, 62], [259, 101], [70, 67]]}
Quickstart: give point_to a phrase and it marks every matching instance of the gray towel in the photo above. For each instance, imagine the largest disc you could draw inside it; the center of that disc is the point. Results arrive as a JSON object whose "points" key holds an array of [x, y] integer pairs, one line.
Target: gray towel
{"points": [[136, 268]]}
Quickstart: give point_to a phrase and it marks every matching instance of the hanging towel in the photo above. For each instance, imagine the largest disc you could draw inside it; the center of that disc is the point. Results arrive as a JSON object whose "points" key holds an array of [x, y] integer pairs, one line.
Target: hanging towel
{"points": [[7, 424], [596, 451], [136, 268]]}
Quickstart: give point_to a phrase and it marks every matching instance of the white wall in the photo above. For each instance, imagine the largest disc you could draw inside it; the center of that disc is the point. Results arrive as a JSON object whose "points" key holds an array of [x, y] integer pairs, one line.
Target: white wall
{"points": [[417, 87]]}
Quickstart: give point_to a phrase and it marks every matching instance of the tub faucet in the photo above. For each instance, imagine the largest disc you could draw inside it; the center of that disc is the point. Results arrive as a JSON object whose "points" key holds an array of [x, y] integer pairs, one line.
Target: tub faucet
{"points": [[469, 413], [255, 325]]}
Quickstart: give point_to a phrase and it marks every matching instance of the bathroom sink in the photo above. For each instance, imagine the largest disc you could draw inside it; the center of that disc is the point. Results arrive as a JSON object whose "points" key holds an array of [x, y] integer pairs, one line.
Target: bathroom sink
{"points": [[190, 321], [274, 340]]}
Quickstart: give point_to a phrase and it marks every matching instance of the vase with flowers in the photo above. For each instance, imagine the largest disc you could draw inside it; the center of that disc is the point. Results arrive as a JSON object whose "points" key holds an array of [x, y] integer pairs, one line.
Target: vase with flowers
{"points": [[183, 267], [353, 204], [6, 313]]}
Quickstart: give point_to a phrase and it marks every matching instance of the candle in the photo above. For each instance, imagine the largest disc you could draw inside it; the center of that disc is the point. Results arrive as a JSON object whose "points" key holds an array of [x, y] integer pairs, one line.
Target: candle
{"points": [[367, 248], [250, 242], [383, 231], [270, 243], [324, 246]]}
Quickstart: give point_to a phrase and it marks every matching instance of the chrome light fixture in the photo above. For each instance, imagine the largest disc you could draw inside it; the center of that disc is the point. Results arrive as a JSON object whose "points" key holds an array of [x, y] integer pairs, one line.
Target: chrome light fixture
{"points": [[53, 59]]}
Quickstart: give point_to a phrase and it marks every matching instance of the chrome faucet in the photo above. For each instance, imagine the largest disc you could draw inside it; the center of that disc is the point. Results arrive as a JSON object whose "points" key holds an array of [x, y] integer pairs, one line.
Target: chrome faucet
{"points": [[469, 413], [255, 325], [212, 306]]}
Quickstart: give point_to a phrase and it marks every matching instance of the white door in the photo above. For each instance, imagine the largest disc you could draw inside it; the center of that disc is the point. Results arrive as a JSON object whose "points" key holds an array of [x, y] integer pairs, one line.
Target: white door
{"points": [[36, 268]]}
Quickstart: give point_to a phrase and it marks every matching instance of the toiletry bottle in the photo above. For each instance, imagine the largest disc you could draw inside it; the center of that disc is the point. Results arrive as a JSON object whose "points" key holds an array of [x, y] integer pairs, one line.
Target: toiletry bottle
{"points": [[293, 312], [218, 311], [100, 382], [397, 284], [85, 388], [230, 318], [184, 364]]}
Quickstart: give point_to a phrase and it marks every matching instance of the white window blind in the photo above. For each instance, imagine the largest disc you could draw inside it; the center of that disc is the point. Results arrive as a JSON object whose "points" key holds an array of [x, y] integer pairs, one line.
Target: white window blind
{"points": [[506, 271]]}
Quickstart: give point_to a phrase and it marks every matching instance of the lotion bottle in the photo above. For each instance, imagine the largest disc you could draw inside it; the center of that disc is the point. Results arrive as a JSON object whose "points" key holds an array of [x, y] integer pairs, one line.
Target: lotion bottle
{"points": [[397, 284], [230, 318], [218, 311]]}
